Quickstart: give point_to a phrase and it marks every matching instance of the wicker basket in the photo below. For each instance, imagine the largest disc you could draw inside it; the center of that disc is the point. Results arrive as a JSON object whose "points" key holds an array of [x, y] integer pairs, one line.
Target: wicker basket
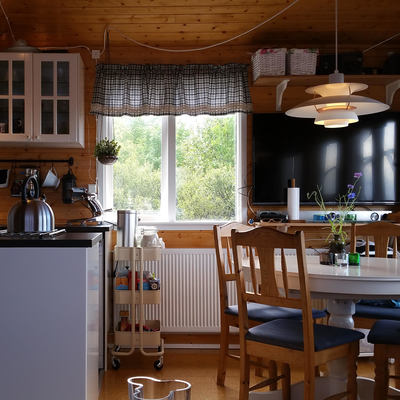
{"points": [[268, 62], [302, 61]]}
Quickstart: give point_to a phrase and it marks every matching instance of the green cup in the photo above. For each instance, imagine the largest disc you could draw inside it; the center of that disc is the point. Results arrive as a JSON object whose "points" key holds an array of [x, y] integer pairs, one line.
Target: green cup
{"points": [[354, 259]]}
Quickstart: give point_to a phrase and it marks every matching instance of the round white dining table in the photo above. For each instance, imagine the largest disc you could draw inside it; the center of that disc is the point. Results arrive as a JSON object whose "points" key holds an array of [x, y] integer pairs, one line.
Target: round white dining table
{"points": [[342, 287]]}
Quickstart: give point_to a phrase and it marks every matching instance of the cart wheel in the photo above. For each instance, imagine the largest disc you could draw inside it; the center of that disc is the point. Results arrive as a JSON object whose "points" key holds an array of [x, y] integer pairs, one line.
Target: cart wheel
{"points": [[158, 364], [115, 363]]}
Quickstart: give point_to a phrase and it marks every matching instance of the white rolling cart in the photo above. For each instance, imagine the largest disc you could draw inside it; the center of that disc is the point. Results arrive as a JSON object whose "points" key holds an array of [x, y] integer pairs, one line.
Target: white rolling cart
{"points": [[127, 341]]}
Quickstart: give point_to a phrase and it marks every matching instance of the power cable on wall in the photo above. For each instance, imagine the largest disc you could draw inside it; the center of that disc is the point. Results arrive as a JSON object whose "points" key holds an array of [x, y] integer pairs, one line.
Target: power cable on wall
{"points": [[204, 47]]}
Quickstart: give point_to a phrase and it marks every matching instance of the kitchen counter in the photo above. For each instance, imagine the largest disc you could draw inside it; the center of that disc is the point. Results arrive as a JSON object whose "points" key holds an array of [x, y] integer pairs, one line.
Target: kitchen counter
{"points": [[50, 306], [67, 239]]}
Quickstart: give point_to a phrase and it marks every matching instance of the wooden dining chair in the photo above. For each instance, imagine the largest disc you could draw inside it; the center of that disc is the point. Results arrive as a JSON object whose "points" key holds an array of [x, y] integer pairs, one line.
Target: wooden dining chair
{"points": [[229, 313], [381, 231], [367, 312], [287, 341], [385, 335]]}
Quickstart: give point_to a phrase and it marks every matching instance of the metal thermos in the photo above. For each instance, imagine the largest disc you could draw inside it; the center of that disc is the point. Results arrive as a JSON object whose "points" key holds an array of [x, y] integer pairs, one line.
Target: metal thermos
{"points": [[126, 228]]}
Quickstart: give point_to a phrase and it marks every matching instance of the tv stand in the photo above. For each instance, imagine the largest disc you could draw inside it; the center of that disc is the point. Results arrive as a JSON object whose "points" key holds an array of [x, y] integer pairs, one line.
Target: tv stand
{"points": [[309, 216]]}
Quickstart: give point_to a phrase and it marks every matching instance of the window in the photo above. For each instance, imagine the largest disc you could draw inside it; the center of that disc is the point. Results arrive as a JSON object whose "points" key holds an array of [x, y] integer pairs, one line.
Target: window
{"points": [[183, 169]]}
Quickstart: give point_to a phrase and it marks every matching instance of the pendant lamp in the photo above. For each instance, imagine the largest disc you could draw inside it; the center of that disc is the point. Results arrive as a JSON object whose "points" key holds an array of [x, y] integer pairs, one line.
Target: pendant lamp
{"points": [[21, 46], [336, 106]]}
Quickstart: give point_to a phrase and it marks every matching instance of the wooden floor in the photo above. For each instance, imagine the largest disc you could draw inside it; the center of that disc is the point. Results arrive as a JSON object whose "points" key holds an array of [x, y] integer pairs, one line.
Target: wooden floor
{"points": [[195, 366]]}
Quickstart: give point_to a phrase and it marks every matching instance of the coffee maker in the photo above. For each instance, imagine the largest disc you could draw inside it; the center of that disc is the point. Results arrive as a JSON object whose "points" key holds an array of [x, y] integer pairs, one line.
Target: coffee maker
{"points": [[90, 201]]}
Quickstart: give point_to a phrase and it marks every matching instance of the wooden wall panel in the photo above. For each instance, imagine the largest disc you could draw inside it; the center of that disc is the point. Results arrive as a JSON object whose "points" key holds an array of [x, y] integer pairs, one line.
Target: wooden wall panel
{"points": [[122, 51], [179, 239]]}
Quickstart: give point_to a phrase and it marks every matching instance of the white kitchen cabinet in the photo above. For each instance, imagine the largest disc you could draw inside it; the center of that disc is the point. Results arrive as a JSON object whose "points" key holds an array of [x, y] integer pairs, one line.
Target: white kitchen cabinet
{"points": [[42, 99]]}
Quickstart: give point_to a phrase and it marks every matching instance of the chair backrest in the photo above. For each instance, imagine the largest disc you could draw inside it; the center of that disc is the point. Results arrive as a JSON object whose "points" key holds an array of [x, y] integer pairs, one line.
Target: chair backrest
{"points": [[381, 231], [223, 250], [274, 288]]}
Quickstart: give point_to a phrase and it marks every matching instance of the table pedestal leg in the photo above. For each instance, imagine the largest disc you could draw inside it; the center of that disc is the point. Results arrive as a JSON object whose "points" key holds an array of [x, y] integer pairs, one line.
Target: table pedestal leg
{"points": [[341, 315]]}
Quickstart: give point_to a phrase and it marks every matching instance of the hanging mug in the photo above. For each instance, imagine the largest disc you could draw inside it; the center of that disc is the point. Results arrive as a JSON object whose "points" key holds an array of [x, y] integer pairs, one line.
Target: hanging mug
{"points": [[51, 179]]}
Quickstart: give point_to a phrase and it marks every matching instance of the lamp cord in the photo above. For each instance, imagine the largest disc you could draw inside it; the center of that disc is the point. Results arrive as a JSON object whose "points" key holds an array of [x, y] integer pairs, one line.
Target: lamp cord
{"points": [[8, 22], [336, 36], [109, 28], [383, 41]]}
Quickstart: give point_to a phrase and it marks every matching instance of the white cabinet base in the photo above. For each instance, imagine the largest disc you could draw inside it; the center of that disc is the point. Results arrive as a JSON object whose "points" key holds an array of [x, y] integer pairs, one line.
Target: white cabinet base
{"points": [[49, 323]]}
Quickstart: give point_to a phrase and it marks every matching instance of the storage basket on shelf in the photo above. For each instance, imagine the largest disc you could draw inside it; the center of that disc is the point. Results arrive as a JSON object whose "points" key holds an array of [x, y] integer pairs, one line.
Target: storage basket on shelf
{"points": [[268, 62], [301, 61]]}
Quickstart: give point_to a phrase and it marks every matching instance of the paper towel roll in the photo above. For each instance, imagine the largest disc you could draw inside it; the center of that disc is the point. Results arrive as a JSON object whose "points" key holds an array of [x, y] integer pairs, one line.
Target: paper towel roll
{"points": [[293, 203]]}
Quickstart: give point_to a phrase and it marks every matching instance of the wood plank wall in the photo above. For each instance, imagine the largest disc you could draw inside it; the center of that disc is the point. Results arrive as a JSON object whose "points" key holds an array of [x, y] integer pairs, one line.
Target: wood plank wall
{"points": [[85, 164]]}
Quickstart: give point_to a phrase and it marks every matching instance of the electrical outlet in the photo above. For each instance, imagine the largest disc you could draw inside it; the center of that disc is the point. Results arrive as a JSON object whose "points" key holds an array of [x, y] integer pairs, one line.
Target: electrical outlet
{"points": [[95, 54]]}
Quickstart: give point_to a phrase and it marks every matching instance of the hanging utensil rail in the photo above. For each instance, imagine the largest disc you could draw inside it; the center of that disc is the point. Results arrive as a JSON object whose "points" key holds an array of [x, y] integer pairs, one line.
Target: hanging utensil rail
{"points": [[70, 161]]}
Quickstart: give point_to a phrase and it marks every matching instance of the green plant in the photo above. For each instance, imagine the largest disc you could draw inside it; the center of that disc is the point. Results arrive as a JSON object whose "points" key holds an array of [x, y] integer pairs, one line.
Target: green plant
{"points": [[107, 148], [345, 205]]}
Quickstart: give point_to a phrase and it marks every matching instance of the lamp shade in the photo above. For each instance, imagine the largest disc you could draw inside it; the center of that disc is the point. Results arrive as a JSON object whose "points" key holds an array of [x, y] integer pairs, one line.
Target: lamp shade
{"points": [[360, 105], [337, 89], [21, 46], [336, 118]]}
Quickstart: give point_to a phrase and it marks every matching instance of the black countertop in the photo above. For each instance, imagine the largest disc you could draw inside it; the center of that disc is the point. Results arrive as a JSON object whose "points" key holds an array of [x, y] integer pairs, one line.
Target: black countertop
{"points": [[104, 227], [67, 239]]}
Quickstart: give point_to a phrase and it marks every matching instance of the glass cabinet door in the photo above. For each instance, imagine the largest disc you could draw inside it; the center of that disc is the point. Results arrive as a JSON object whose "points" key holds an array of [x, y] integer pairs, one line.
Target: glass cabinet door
{"points": [[58, 99], [15, 97], [55, 97]]}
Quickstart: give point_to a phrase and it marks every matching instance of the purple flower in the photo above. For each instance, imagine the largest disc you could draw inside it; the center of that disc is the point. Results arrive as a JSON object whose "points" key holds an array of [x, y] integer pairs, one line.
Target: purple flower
{"points": [[357, 175], [351, 195], [350, 186]]}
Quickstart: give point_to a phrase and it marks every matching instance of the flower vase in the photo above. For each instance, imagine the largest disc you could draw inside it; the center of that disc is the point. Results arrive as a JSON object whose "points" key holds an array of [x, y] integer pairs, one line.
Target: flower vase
{"points": [[337, 252]]}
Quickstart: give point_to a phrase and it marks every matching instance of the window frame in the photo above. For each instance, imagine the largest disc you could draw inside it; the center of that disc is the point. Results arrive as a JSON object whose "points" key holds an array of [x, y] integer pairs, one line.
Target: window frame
{"points": [[168, 176]]}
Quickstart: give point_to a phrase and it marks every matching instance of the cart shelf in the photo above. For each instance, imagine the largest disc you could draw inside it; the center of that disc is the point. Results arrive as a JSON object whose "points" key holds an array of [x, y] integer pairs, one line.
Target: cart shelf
{"points": [[147, 333], [125, 296], [125, 253], [150, 338]]}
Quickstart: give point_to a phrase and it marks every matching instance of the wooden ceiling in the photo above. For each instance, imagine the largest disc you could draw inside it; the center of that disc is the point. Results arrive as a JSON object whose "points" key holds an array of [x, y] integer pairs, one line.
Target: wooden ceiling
{"points": [[192, 23]]}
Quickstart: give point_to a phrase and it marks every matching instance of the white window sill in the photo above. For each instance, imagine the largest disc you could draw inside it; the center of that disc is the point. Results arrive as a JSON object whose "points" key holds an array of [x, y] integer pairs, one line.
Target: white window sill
{"points": [[111, 217]]}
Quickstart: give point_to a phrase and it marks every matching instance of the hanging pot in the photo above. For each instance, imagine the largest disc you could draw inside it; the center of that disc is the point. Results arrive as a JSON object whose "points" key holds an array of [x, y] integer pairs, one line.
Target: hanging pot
{"points": [[32, 214], [107, 160]]}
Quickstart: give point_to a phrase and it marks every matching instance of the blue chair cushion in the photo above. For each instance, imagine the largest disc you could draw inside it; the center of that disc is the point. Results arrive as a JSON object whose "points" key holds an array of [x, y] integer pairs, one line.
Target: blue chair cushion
{"points": [[385, 332], [365, 311], [289, 333], [380, 302], [265, 313]]}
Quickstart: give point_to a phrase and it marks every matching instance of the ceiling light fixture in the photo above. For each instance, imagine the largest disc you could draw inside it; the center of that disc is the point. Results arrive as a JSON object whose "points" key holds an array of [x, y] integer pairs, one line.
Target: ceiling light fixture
{"points": [[336, 107], [21, 46]]}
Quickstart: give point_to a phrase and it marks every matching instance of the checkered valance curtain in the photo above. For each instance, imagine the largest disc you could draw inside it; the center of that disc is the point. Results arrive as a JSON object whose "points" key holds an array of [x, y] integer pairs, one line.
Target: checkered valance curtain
{"points": [[170, 90]]}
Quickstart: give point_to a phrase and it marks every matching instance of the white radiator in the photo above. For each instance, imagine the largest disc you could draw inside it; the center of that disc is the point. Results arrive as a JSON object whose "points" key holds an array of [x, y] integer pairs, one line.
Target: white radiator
{"points": [[189, 291]]}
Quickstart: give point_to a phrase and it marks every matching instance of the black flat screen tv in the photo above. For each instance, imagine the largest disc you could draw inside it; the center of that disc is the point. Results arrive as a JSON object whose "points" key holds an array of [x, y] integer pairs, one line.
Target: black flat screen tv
{"points": [[286, 147]]}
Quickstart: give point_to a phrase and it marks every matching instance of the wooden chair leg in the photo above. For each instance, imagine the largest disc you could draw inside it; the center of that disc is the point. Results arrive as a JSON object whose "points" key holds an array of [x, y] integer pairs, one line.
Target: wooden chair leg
{"points": [[352, 371], [381, 372], [309, 382], [223, 351], [273, 373], [244, 376], [286, 394], [397, 372]]}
